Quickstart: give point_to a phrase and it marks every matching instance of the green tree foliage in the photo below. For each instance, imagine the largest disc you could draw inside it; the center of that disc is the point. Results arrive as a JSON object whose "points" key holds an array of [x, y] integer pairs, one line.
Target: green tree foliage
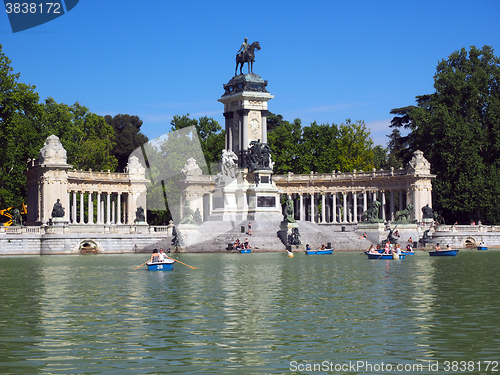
{"points": [[284, 138], [319, 148], [354, 147], [210, 133], [127, 137], [458, 129], [87, 138], [19, 133], [25, 123]]}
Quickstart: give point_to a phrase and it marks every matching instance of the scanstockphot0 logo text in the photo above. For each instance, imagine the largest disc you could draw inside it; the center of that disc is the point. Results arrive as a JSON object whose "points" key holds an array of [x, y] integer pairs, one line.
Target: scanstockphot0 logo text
{"points": [[25, 14]]}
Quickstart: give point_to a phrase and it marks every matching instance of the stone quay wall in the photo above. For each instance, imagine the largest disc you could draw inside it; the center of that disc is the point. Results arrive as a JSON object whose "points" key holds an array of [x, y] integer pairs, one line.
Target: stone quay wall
{"points": [[71, 240]]}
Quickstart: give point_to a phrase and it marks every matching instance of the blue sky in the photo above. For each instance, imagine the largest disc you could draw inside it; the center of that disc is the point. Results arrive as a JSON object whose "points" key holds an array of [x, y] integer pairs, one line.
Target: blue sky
{"points": [[325, 61]]}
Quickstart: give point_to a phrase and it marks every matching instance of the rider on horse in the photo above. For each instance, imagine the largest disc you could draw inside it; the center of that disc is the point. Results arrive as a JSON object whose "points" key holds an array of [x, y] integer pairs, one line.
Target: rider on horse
{"points": [[244, 47]]}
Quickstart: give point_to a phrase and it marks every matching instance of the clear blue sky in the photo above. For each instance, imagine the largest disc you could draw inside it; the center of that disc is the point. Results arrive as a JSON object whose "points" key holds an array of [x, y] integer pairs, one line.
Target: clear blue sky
{"points": [[325, 61]]}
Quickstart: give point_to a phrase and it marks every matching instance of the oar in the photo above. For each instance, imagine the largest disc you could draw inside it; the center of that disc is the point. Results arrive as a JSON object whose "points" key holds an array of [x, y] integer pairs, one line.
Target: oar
{"points": [[194, 268], [141, 265]]}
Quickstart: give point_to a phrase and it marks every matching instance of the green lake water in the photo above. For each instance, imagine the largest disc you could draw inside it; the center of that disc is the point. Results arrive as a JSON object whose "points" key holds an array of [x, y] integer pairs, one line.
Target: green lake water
{"points": [[250, 314]]}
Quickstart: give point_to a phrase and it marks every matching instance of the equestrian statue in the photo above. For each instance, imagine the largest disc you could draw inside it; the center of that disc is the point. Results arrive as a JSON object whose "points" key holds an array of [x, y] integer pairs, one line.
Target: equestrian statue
{"points": [[246, 54]]}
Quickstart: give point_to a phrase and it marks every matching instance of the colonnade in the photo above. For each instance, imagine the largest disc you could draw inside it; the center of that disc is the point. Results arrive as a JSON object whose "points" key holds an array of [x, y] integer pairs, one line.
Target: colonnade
{"points": [[109, 207], [345, 206]]}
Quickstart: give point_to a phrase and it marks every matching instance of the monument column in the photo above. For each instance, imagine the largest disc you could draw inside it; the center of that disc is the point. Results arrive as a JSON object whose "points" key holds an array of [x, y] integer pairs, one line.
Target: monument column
{"points": [[264, 126], [99, 214], [301, 213], [119, 208], [355, 207], [334, 207], [323, 208], [91, 209]]}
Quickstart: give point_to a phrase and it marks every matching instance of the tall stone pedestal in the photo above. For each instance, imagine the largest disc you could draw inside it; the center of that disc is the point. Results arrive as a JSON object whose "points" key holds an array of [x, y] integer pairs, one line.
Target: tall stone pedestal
{"points": [[263, 197]]}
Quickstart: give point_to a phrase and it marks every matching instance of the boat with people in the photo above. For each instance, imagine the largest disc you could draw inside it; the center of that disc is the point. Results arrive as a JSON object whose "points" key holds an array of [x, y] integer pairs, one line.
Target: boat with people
{"points": [[166, 265], [385, 256], [482, 246], [444, 253], [245, 251], [319, 252]]}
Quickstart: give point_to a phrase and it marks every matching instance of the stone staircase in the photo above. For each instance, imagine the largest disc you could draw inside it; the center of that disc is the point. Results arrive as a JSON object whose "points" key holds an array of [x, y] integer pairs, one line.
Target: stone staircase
{"points": [[215, 236]]}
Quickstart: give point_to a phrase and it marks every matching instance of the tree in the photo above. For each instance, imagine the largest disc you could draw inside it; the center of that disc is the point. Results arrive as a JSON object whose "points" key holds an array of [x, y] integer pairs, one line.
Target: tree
{"points": [[19, 133], [210, 134], [87, 138], [127, 137], [458, 129], [283, 139], [354, 147]]}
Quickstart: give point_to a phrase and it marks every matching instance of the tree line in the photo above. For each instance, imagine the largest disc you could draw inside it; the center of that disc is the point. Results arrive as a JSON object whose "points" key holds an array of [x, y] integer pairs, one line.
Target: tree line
{"points": [[457, 127]]}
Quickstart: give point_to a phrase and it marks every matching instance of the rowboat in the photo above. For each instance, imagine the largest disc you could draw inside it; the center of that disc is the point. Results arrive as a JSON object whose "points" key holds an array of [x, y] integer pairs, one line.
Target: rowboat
{"points": [[384, 256], [166, 265], [318, 252], [444, 253], [482, 248], [245, 251]]}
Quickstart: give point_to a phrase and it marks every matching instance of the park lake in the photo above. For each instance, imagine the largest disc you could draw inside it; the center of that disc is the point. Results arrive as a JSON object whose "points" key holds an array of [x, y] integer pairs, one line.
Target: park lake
{"points": [[259, 313]]}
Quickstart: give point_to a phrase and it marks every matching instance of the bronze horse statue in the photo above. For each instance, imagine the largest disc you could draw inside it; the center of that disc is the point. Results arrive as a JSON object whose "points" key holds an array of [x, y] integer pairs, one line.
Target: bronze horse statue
{"points": [[247, 56]]}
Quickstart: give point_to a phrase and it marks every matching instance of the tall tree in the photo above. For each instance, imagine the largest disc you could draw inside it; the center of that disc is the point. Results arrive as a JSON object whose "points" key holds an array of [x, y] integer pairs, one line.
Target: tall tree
{"points": [[19, 133], [87, 138], [458, 129], [354, 147], [127, 137], [284, 138]]}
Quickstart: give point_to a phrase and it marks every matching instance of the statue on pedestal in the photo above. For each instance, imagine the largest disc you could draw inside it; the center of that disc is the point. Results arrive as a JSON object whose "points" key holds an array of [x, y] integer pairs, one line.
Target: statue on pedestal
{"points": [[371, 214], [187, 213], [427, 212], [139, 215], [58, 209], [247, 55], [288, 216]]}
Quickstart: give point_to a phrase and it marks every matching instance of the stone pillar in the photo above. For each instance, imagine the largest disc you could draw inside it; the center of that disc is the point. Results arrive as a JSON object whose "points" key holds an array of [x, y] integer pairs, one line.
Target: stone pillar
{"points": [[365, 201], [355, 207], [82, 208], [312, 208], [391, 206], [99, 215], [74, 207], [344, 199], [119, 208], [229, 130], [264, 126], [302, 211], [401, 200], [323, 219], [113, 211], [91, 208], [334, 207], [108, 208], [383, 204], [244, 124]]}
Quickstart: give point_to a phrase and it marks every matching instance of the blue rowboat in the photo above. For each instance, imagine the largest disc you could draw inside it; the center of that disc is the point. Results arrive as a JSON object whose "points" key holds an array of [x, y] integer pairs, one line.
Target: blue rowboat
{"points": [[384, 256], [166, 265], [482, 248], [245, 251], [443, 253], [318, 252]]}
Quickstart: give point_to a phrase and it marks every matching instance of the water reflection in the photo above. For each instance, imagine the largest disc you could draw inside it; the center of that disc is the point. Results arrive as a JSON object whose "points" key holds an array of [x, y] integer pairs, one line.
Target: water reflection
{"points": [[244, 313]]}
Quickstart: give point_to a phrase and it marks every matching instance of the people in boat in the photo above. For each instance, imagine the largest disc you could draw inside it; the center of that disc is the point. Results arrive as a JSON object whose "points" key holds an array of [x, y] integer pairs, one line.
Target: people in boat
{"points": [[246, 245], [323, 247], [249, 229], [308, 247], [237, 244], [387, 249], [398, 249], [155, 257], [438, 248], [372, 250], [409, 249], [161, 255], [448, 248]]}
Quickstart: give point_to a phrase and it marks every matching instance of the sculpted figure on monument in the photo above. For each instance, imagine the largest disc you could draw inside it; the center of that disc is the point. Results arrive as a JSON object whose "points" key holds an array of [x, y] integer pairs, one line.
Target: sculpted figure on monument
{"points": [[371, 214], [404, 215], [187, 213], [58, 210], [427, 212], [139, 215], [259, 156], [247, 55], [289, 212]]}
